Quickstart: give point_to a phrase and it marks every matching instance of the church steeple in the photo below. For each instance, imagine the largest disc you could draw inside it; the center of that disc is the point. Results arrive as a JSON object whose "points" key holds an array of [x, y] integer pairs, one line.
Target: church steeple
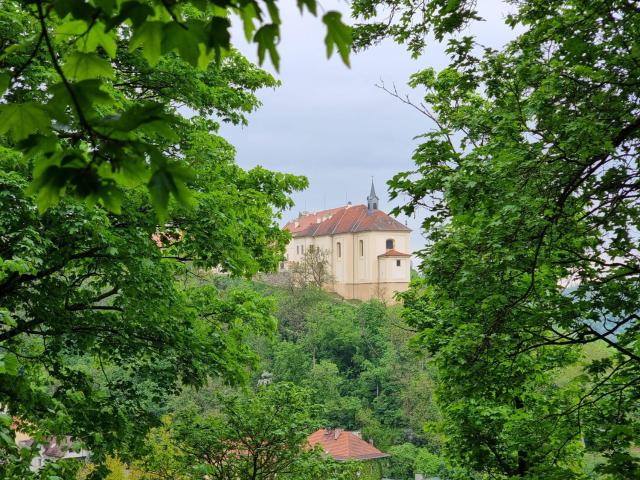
{"points": [[372, 199]]}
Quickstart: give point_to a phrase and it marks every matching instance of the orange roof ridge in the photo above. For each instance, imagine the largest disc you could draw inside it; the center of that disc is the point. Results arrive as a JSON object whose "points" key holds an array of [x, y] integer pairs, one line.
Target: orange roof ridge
{"points": [[345, 219], [393, 253], [343, 445]]}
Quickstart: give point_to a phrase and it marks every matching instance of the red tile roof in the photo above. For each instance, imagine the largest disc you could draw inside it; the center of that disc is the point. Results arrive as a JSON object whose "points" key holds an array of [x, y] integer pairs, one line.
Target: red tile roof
{"points": [[347, 219], [342, 445], [393, 253]]}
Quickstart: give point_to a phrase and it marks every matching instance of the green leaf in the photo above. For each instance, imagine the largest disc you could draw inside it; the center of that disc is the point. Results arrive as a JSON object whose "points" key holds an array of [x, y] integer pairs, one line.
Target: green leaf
{"points": [[132, 172], [338, 35], [79, 9], [218, 36], [109, 196], [71, 28], [267, 38], [97, 37], [36, 144], [149, 114], [183, 39], [84, 66], [23, 119], [169, 179], [5, 420], [6, 438], [53, 174], [248, 14], [5, 81], [136, 12], [9, 364], [88, 93], [310, 4], [148, 36], [107, 6], [274, 13]]}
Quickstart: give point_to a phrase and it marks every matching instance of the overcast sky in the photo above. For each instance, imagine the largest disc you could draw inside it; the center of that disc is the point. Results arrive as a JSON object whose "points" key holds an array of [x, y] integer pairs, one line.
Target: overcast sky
{"points": [[331, 124]]}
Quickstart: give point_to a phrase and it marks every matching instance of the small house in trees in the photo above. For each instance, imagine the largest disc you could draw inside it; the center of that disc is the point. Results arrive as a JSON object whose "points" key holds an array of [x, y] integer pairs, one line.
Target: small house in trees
{"points": [[51, 450], [367, 250], [344, 446]]}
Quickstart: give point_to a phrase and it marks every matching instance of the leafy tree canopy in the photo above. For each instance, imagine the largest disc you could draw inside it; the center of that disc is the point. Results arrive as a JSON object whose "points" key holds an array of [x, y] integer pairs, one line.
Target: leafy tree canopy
{"points": [[410, 22], [530, 184], [260, 435], [87, 55], [102, 314]]}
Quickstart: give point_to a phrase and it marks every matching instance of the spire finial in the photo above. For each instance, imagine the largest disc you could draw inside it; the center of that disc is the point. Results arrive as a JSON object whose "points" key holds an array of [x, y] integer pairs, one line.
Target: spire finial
{"points": [[372, 199]]}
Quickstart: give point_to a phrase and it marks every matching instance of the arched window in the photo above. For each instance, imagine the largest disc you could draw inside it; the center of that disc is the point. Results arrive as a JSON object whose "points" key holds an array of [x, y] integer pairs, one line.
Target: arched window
{"points": [[339, 248], [390, 244], [361, 248]]}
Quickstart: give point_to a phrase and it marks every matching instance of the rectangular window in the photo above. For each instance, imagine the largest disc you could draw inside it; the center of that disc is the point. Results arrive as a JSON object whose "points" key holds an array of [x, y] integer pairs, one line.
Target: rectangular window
{"points": [[339, 246], [298, 249], [398, 263], [361, 248]]}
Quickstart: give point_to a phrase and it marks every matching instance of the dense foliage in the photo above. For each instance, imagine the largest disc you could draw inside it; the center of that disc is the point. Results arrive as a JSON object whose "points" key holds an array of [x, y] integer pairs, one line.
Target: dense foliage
{"points": [[257, 435], [530, 186], [526, 304], [357, 361], [411, 22], [84, 140], [102, 315], [369, 380], [261, 436]]}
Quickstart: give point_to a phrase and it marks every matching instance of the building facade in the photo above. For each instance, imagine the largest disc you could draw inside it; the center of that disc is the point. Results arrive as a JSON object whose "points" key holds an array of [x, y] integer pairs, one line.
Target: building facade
{"points": [[51, 450], [368, 251]]}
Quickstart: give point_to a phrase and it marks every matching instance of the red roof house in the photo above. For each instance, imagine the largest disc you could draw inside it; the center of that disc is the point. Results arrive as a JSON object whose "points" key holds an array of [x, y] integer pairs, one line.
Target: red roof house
{"points": [[343, 445]]}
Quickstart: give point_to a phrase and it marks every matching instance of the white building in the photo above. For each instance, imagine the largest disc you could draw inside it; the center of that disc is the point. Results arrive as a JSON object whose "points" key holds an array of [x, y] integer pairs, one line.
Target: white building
{"points": [[51, 451], [368, 250]]}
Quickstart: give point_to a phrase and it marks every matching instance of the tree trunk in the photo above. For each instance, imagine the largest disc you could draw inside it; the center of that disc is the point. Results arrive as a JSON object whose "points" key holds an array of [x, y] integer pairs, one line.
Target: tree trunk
{"points": [[523, 457]]}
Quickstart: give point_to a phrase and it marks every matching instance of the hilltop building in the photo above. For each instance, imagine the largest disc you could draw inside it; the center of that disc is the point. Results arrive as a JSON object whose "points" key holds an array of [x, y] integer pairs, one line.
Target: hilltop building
{"points": [[368, 250]]}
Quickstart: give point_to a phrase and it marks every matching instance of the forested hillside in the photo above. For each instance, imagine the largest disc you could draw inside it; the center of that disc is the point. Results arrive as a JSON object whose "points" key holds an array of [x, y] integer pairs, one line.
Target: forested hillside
{"points": [[350, 365], [355, 362], [328, 364]]}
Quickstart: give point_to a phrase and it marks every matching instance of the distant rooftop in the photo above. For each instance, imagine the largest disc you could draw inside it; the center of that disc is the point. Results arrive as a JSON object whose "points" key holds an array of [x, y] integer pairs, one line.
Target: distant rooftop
{"points": [[346, 219], [343, 445]]}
